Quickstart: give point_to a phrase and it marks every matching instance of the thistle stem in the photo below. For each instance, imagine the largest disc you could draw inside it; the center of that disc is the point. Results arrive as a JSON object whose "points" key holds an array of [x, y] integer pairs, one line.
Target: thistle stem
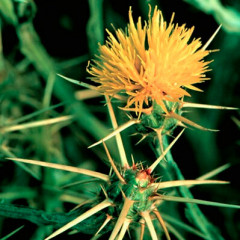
{"points": [[197, 217]]}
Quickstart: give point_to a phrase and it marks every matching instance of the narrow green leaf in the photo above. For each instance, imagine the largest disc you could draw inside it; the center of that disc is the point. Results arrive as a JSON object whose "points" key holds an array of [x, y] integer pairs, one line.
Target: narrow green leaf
{"points": [[197, 201], [12, 233], [195, 214], [26, 168], [182, 225], [174, 231], [36, 113], [77, 82]]}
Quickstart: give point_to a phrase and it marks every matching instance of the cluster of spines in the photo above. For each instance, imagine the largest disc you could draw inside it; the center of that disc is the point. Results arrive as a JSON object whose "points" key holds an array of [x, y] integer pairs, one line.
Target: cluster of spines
{"points": [[133, 193]]}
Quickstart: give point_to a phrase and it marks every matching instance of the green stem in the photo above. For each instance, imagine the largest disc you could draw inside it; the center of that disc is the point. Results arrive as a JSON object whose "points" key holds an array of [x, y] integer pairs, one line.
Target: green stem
{"points": [[194, 212], [40, 217]]}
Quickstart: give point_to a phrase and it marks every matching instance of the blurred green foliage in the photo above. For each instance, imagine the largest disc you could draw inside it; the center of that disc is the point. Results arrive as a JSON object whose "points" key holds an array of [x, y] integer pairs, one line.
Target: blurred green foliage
{"points": [[41, 38]]}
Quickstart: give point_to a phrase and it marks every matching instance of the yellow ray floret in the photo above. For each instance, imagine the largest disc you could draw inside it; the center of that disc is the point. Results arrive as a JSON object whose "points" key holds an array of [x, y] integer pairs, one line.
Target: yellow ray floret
{"points": [[154, 62]]}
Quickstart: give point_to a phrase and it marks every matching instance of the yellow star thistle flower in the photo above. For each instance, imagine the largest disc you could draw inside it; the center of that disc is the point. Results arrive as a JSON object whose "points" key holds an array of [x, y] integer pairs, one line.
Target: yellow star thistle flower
{"points": [[156, 62]]}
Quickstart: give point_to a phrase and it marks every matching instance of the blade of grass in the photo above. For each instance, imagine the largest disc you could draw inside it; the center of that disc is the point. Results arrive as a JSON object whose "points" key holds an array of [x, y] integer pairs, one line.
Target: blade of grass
{"points": [[32, 172], [77, 82], [48, 90], [182, 225], [197, 201], [12, 233], [38, 123], [174, 232], [36, 113], [19, 193], [72, 62]]}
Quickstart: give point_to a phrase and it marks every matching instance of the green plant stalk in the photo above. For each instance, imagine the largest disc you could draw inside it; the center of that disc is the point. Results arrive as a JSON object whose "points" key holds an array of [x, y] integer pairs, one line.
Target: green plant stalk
{"points": [[40, 217], [6, 7], [95, 25], [196, 215]]}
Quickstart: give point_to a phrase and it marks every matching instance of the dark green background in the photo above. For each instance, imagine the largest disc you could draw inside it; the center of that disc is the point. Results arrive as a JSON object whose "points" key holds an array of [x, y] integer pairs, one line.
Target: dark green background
{"points": [[71, 30]]}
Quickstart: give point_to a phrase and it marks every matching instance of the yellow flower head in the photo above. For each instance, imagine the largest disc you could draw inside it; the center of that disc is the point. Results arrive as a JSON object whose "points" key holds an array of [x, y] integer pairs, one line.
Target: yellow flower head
{"points": [[155, 62]]}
